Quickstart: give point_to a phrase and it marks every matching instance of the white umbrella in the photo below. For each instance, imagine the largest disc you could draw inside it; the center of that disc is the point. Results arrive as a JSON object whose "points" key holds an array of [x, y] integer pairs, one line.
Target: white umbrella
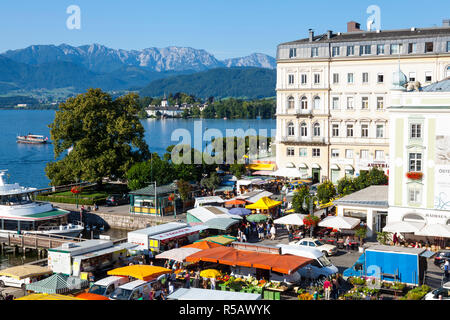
{"points": [[287, 173], [434, 230], [291, 219], [339, 222], [403, 226], [178, 254]]}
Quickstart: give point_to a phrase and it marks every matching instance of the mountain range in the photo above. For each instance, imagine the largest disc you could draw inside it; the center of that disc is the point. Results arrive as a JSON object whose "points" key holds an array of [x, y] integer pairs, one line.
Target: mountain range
{"points": [[50, 67]]}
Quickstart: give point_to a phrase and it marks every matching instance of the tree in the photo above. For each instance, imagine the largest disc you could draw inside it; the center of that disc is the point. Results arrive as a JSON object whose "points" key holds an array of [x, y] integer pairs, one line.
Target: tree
{"points": [[184, 189], [211, 182], [383, 237], [361, 233], [106, 135], [299, 197], [237, 170], [346, 186], [326, 191]]}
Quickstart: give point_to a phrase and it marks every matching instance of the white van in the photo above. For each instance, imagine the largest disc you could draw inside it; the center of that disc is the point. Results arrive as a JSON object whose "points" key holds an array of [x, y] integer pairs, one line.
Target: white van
{"points": [[106, 286], [135, 289], [6, 281], [289, 279], [319, 268]]}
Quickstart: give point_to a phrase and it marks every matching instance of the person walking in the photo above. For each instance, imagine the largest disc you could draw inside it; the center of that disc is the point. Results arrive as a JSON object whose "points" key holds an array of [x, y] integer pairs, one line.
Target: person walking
{"points": [[213, 283], [197, 279], [395, 239], [327, 289], [187, 279], [347, 243], [272, 232], [335, 292], [446, 265]]}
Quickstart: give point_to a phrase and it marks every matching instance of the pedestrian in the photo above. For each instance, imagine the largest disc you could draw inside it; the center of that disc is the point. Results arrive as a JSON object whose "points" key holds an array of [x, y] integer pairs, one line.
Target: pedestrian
{"points": [[213, 283], [187, 279], [335, 288], [347, 243], [152, 294], [197, 279], [273, 232], [395, 238], [260, 232], [171, 288], [446, 265], [327, 289], [164, 294]]}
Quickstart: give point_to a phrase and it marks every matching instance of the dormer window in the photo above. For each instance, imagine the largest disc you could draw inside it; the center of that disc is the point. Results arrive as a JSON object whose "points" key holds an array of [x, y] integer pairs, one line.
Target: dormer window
{"points": [[350, 50], [396, 48], [428, 47], [365, 49], [335, 51], [314, 52], [292, 52]]}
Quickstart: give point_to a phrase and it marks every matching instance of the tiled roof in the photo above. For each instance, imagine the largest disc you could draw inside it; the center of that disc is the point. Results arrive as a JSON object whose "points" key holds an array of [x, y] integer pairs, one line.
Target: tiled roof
{"points": [[373, 196], [373, 35]]}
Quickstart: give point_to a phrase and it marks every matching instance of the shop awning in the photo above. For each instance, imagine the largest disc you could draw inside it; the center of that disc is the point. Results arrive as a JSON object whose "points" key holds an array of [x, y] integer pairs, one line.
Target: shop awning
{"points": [[25, 271], [335, 167], [178, 254], [404, 227], [140, 271], [264, 203], [229, 256], [261, 166], [434, 230], [349, 167], [220, 223], [223, 239], [202, 245], [315, 166], [303, 165], [178, 233], [58, 283]]}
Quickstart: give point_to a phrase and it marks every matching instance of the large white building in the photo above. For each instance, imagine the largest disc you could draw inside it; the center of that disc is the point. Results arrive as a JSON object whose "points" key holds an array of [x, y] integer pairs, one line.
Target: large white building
{"points": [[419, 180], [332, 93]]}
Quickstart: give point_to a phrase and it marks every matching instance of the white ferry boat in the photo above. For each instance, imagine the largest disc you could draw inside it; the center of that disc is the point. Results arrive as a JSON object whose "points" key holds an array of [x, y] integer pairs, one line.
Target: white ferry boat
{"points": [[19, 213], [32, 139]]}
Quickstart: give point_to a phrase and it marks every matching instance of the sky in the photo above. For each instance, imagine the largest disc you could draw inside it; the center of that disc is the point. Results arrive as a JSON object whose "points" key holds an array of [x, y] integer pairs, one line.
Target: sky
{"points": [[225, 28]]}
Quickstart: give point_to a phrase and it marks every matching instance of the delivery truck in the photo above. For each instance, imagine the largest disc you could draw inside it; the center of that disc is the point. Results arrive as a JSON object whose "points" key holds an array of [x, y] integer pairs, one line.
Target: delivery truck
{"points": [[392, 264]]}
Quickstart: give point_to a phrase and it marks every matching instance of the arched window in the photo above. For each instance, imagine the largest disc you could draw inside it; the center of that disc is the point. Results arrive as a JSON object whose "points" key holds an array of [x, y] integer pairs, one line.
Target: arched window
{"points": [[304, 103], [291, 129], [291, 102], [316, 130], [303, 130], [316, 103]]}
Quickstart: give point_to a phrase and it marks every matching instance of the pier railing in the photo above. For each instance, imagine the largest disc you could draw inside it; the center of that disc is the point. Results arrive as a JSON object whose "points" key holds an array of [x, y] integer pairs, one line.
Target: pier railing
{"points": [[35, 241]]}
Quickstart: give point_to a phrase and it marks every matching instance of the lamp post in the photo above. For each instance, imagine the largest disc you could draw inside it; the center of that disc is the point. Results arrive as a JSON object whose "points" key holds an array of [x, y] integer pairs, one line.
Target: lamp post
{"points": [[311, 209]]}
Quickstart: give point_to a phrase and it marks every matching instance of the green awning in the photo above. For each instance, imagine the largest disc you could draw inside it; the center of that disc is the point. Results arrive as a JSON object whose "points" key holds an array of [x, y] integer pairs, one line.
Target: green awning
{"points": [[58, 283]]}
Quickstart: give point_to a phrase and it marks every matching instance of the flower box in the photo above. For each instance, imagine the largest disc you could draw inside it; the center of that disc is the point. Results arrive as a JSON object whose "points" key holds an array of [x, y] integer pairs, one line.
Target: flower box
{"points": [[414, 175]]}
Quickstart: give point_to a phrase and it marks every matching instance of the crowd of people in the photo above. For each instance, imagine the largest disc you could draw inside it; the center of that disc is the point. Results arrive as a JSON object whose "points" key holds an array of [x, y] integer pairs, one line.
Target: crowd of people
{"points": [[251, 231]]}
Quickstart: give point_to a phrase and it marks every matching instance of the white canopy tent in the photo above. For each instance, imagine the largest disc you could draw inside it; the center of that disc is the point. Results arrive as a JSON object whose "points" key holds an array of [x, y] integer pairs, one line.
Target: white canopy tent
{"points": [[404, 227], [291, 219], [339, 222], [178, 254], [287, 173], [434, 230]]}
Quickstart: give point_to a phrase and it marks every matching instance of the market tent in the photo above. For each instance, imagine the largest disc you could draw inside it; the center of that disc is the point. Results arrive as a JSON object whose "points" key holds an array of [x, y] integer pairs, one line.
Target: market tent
{"points": [[291, 219], [253, 197], [235, 202], [57, 283], [25, 271], [91, 296], [434, 230], [262, 173], [261, 166], [229, 256], [265, 203], [257, 217], [222, 239], [404, 226], [178, 254], [220, 223], [202, 245], [287, 173], [240, 211], [339, 222], [206, 213], [207, 294], [46, 296], [140, 271]]}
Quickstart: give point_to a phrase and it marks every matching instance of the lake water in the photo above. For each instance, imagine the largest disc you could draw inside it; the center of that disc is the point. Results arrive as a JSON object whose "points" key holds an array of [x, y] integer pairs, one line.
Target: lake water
{"points": [[26, 163]]}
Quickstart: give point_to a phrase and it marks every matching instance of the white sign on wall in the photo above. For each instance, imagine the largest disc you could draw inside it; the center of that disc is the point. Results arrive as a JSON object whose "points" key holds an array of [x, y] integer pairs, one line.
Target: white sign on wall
{"points": [[442, 166]]}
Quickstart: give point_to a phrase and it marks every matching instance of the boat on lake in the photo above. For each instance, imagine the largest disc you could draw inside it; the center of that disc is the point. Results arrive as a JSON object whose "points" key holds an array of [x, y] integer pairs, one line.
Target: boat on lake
{"points": [[19, 213], [32, 139]]}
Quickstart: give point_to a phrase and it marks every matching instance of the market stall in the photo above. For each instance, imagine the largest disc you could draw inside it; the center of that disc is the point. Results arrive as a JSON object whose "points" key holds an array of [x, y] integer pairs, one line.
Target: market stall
{"points": [[265, 205], [295, 219], [140, 271], [26, 271], [178, 254], [57, 284], [45, 296], [222, 239], [206, 294], [202, 245]]}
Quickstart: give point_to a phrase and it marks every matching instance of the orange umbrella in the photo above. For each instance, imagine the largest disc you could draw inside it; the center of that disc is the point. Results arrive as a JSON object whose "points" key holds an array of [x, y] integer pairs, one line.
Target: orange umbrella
{"points": [[91, 296], [203, 245], [235, 202]]}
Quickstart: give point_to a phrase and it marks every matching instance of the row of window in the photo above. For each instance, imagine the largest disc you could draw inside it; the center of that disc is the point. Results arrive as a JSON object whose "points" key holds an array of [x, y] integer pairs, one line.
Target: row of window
{"points": [[303, 130], [412, 76], [368, 49], [335, 130], [350, 105], [304, 103], [335, 153]]}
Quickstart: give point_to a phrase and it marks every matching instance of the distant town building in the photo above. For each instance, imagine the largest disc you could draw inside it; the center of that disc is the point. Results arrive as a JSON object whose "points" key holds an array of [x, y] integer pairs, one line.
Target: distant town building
{"points": [[166, 110]]}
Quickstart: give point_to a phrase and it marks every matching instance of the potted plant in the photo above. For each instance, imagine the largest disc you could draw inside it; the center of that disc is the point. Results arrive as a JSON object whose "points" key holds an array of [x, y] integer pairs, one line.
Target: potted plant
{"points": [[414, 175], [361, 233]]}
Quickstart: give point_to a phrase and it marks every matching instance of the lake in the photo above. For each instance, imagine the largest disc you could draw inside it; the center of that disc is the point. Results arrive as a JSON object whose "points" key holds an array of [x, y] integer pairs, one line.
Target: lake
{"points": [[26, 163]]}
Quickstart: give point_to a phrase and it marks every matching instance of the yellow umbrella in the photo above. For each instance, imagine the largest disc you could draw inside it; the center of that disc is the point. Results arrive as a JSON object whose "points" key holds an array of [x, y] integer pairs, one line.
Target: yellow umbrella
{"points": [[210, 273]]}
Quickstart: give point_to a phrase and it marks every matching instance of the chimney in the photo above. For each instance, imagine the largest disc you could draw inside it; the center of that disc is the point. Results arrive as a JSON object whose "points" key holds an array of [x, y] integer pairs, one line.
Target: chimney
{"points": [[353, 26], [446, 23], [311, 35], [329, 34]]}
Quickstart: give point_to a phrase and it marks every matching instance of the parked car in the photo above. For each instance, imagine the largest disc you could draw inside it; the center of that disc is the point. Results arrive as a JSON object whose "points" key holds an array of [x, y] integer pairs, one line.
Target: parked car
{"points": [[440, 257], [444, 291], [107, 285], [327, 249], [117, 199], [135, 289]]}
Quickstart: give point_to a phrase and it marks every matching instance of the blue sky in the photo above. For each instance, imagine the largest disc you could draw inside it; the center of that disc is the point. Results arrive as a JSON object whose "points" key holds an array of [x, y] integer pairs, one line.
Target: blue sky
{"points": [[225, 28]]}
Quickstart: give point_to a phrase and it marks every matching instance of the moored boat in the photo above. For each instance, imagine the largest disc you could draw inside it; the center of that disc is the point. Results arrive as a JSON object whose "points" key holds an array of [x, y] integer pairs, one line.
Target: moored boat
{"points": [[32, 139]]}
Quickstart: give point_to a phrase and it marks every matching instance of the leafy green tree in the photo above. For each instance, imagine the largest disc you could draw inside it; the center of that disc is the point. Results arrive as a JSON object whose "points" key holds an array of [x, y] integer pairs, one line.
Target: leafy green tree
{"points": [[106, 135], [211, 182], [346, 186], [299, 197], [184, 189], [238, 170], [326, 191], [383, 237]]}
